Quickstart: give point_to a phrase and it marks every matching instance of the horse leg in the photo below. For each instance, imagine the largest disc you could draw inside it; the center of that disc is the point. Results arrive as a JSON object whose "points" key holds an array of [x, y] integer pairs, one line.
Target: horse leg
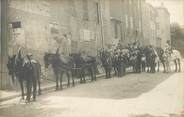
{"points": [[119, 71], [84, 76], [29, 88], [61, 78], [39, 86], [176, 66], [39, 82], [13, 79], [148, 67], [22, 87], [114, 70], [163, 63], [179, 64], [110, 72], [158, 66], [34, 89], [166, 67], [144, 66], [169, 67], [57, 78], [124, 69], [91, 72], [68, 76], [73, 82], [95, 72], [80, 75], [106, 72]]}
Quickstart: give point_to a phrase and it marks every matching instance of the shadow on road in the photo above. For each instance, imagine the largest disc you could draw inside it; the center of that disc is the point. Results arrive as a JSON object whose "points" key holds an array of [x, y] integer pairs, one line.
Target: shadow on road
{"points": [[129, 86]]}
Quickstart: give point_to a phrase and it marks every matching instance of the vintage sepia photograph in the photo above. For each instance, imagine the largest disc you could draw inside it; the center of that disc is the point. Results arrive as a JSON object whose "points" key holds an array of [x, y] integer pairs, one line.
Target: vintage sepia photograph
{"points": [[92, 58]]}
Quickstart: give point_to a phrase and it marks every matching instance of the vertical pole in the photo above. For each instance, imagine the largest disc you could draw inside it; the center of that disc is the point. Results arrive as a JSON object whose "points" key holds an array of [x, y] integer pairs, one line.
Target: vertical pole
{"points": [[101, 22]]}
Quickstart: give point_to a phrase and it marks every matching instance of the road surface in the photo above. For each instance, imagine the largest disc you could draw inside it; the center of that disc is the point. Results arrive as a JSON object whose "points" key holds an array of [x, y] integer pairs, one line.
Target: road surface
{"points": [[134, 95]]}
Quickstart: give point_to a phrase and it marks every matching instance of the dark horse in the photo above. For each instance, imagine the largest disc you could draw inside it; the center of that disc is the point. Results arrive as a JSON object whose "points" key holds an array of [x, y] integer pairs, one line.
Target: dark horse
{"points": [[60, 64], [11, 68], [84, 63], [160, 53], [107, 62], [150, 58], [25, 70]]}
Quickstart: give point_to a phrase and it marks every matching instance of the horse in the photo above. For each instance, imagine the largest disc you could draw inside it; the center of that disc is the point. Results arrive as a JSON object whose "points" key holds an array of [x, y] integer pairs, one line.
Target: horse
{"points": [[160, 59], [176, 57], [121, 64], [26, 71], [115, 63], [61, 64], [10, 66], [150, 59], [173, 56], [84, 63], [106, 60], [134, 59]]}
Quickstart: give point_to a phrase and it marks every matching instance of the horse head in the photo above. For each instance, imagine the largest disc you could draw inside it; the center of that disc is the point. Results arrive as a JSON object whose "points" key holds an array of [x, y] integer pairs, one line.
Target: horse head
{"points": [[11, 67], [11, 64], [19, 61], [47, 59]]}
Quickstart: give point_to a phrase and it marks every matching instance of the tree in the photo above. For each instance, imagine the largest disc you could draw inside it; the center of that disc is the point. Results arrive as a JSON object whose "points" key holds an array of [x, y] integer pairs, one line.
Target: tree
{"points": [[177, 37]]}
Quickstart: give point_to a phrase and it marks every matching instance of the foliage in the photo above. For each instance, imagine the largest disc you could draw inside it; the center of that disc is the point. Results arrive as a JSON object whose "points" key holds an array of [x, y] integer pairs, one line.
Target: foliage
{"points": [[177, 37]]}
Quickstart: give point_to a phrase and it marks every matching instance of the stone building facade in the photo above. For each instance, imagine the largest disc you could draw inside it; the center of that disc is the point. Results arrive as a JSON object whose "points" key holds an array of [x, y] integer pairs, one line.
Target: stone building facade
{"points": [[40, 26], [163, 26], [149, 25]]}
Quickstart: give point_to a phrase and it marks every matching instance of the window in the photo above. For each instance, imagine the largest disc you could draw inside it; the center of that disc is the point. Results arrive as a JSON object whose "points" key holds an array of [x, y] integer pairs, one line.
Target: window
{"points": [[16, 24], [85, 9]]}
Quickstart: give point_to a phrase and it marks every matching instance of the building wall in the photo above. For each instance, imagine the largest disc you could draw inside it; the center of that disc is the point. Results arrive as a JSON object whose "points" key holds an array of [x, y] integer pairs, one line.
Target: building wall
{"points": [[126, 21], [90, 24], [132, 21], [149, 25], [74, 18], [79, 18], [163, 25], [5, 81], [32, 35]]}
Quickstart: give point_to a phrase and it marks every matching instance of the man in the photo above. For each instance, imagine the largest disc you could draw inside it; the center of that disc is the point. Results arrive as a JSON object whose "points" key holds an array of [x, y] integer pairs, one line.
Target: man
{"points": [[168, 48], [167, 54], [66, 44]]}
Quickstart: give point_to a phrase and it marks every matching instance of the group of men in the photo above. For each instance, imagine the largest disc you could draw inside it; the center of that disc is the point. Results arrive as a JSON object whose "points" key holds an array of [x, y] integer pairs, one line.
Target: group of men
{"points": [[134, 56]]}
